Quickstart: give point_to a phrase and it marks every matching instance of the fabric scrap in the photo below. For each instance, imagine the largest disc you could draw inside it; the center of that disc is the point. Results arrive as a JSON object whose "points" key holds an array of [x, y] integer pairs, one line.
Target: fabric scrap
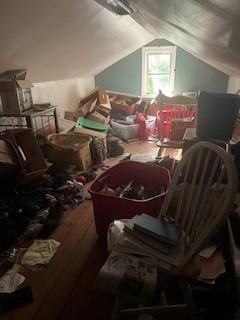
{"points": [[208, 252], [40, 252], [10, 281]]}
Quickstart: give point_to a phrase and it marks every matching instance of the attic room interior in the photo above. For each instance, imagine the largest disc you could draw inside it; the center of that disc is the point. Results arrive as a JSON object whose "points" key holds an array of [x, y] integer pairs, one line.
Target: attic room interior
{"points": [[120, 159]]}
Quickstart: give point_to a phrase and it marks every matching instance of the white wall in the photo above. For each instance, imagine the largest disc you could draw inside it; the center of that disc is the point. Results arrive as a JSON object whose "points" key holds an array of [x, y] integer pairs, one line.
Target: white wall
{"points": [[233, 84], [64, 93]]}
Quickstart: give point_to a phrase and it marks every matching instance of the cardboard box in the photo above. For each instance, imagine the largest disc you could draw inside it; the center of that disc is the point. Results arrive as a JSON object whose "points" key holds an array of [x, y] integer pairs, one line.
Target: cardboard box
{"points": [[120, 106], [9, 165], [15, 92], [102, 98], [72, 116], [96, 106], [28, 153], [96, 116], [88, 107], [6, 154], [123, 102], [69, 148]]}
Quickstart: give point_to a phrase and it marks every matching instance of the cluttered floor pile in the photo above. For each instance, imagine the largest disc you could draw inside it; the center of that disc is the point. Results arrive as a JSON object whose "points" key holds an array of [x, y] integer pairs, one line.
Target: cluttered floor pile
{"points": [[28, 216], [45, 178], [35, 210], [32, 204]]}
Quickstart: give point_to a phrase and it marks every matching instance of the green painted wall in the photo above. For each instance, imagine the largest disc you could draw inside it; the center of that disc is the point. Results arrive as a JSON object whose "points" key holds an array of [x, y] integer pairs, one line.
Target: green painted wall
{"points": [[191, 73]]}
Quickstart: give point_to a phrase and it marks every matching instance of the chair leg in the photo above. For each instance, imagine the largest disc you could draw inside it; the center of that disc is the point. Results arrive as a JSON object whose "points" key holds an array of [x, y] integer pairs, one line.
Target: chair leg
{"points": [[188, 298], [118, 305]]}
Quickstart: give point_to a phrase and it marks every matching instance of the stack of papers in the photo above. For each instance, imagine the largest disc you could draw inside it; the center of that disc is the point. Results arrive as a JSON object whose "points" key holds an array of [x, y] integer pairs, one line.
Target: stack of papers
{"points": [[126, 238]]}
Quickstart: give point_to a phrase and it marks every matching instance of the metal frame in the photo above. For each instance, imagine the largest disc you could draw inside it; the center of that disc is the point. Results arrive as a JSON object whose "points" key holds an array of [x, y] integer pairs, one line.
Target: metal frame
{"points": [[39, 121]]}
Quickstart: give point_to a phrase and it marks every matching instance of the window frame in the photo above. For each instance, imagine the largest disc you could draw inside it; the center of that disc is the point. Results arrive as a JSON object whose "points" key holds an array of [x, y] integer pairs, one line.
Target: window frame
{"points": [[157, 50]]}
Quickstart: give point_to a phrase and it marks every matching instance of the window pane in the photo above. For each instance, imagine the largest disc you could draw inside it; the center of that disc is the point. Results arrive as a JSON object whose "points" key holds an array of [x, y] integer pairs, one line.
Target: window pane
{"points": [[158, 82], [159, 63]]}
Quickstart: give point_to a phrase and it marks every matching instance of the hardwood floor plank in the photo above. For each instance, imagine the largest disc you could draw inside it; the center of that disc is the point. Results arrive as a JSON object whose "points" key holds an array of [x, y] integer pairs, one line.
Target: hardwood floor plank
{"points": [[65, 289], [54, 302], [70, 234], [86, 301]]}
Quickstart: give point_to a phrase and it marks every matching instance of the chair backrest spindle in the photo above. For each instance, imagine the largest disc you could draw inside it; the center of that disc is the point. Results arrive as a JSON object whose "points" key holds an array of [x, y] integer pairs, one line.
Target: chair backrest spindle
{"points": [[203, 188]]}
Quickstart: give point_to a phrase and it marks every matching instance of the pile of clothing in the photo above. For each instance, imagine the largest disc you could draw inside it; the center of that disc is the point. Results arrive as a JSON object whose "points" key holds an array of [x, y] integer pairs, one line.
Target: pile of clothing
{"points": [[36, 209]]}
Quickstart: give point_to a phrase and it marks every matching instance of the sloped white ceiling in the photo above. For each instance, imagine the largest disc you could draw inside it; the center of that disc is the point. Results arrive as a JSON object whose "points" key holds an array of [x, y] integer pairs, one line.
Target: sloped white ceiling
{"points": [[209, 29], [61, 39]]}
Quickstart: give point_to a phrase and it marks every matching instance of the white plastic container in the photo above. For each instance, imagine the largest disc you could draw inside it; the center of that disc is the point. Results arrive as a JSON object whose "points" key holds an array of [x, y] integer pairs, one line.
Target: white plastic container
{"points": [[131, 119], [124, 131], [150, 122]]}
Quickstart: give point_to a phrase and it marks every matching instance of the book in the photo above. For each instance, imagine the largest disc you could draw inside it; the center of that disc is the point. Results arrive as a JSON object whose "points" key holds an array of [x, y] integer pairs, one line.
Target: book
{"points": [[130, 244], [166, 232], [122, 242], [149, 241]]}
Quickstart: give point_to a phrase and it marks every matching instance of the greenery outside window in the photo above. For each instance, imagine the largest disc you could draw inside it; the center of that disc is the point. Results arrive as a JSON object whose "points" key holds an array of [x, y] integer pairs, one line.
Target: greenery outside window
{"points": [[158, 70]]}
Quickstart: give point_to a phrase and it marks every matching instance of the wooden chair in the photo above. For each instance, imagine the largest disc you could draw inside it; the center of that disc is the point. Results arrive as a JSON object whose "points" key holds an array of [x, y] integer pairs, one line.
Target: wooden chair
{"points": [[199, 200], [203, 190]]}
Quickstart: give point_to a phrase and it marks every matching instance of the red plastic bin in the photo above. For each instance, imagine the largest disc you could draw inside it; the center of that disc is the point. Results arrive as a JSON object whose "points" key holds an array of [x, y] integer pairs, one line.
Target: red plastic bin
{"points": [[108, 208]]}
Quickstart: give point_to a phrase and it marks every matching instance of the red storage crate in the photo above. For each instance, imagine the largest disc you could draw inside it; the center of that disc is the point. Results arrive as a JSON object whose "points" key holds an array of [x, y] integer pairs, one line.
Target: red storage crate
{"points": [[108, 208]]}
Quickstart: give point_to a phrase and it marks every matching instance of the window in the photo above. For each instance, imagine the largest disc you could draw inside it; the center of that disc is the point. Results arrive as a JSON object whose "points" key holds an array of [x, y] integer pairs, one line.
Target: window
{"points": [[158, 70]]}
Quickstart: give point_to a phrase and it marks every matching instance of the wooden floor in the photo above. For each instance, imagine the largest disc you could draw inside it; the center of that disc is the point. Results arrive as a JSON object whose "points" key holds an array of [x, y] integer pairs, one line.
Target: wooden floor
{"points": [[65, 289]]}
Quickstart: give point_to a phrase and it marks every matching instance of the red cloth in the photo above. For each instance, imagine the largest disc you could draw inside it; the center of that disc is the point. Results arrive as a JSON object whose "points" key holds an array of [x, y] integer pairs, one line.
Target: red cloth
{"points": [[143, 132]]}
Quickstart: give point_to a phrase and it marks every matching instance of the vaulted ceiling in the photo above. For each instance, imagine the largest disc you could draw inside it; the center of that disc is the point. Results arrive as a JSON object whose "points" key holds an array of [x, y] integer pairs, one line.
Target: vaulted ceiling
{"points": [[62, 39], [209, 29]]}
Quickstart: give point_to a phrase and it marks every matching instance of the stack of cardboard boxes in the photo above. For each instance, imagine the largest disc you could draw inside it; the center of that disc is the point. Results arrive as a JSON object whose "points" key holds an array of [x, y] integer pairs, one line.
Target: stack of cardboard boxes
{"points": [[93, 116], [96, 106]]}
